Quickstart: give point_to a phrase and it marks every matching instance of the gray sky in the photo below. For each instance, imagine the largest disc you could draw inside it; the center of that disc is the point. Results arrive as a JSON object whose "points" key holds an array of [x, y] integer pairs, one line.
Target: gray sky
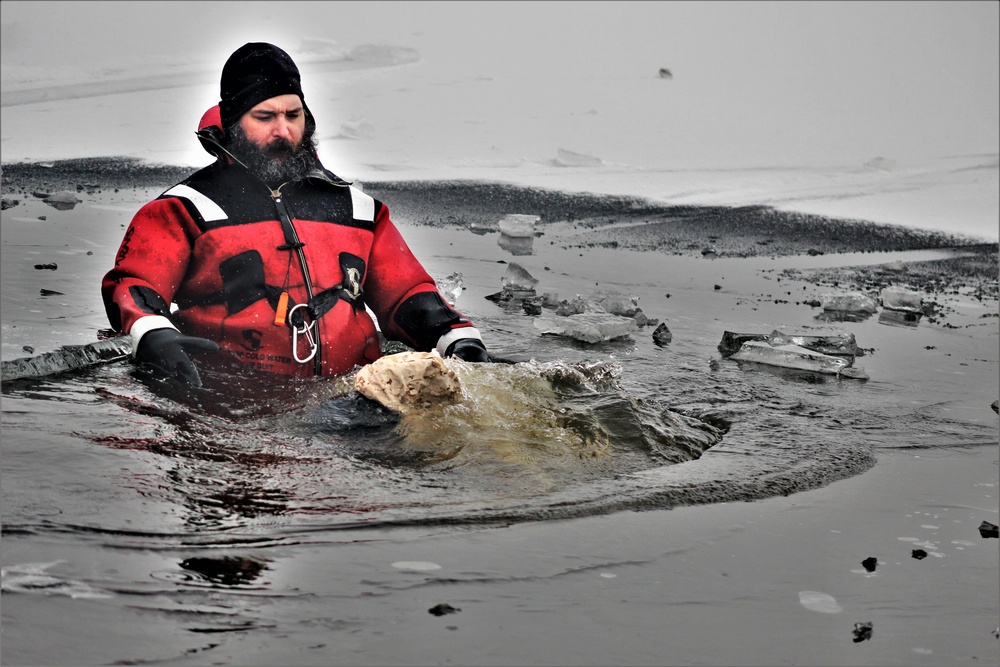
{"points": [[925, 71]]}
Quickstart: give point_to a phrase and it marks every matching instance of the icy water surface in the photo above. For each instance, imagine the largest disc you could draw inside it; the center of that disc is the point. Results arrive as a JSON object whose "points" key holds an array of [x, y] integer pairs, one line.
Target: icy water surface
{"points": [[122, 492], [571, 429]]}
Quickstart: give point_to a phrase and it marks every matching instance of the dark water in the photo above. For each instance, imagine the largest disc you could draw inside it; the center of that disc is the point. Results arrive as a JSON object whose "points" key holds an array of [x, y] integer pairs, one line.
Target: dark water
{"points": [[150, 504]]}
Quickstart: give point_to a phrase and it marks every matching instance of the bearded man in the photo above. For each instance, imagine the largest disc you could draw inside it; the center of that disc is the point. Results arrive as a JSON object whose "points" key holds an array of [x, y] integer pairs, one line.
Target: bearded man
{"points": [[267, 256]]}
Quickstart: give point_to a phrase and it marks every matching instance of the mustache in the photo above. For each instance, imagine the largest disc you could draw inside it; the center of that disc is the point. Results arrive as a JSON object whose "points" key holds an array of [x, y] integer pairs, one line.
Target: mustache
{"points": [[279, 147]]}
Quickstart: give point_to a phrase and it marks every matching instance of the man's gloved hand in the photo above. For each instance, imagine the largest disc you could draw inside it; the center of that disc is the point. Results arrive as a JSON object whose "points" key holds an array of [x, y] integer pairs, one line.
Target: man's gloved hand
{"points": [[468, 349], [166, 352]]}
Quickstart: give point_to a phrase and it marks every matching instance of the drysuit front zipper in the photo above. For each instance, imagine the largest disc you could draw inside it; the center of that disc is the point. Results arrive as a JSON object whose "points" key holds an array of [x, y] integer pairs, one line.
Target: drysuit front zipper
{"points": [[292, 242]]}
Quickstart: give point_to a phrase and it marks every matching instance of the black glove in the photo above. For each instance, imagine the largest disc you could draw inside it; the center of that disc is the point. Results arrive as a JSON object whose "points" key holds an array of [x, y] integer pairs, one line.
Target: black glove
{"points": [[468, 349], [166, 352]]}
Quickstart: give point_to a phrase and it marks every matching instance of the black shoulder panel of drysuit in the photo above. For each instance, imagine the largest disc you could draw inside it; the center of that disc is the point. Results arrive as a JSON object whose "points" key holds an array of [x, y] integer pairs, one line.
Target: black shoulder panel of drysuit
{"points": [[246, 199]]}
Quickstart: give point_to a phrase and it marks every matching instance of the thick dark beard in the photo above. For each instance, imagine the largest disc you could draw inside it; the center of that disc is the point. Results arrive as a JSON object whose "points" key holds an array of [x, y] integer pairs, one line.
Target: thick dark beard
{"points": [[279, 161]]}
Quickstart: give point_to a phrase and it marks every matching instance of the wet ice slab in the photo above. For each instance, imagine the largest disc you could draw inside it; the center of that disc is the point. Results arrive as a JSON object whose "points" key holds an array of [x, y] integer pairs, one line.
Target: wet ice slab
{"points": [[517, 225], [587, 327], [790, 355], [853, 302], [837, 344], [895, 298], [67, 358]]}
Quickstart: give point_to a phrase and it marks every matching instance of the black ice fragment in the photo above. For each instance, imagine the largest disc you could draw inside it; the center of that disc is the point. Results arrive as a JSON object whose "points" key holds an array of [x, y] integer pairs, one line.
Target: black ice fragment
{"points": [[442, 609]]}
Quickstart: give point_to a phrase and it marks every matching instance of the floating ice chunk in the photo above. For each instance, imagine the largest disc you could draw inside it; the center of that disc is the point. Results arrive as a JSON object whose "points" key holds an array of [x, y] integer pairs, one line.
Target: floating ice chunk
{"points": [[574, 307], [67, 358], [517, 278], [63, 200], [62, 197], [451, 286], [518, 225], [900, 299], [862, 631], [416, 566], [854, 302], [838, 344], [662, 335], [616, 303], [482, 228], [834, 344], [795, 356], [587, 327], [821, 602]]}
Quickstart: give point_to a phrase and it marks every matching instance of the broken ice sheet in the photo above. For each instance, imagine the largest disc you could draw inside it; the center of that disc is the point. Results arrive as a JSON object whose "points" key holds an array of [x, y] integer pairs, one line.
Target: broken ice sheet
{"points": [[587, 327]]}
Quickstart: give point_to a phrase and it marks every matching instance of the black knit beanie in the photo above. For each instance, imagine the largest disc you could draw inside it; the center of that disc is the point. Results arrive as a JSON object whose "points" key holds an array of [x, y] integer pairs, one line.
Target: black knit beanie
{"points": [[256, 72]]}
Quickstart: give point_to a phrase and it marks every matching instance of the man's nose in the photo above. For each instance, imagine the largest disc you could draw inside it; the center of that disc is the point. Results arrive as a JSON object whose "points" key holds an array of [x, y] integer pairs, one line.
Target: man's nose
{"points": [[282, 127]]}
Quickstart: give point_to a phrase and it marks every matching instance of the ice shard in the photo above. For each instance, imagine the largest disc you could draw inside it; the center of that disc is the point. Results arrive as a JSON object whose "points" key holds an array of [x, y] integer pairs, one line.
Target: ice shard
{"points": [[66, 358]]}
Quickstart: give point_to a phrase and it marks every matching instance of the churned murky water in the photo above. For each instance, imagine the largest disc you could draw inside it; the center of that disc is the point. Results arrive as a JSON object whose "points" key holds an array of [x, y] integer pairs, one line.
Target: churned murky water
{"points": [[106, 461], [551, 437]]}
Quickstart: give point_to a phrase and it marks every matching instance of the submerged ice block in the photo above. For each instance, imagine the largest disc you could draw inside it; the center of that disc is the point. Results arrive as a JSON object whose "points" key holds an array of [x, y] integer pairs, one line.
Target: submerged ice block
{"points": [[790, 355]]}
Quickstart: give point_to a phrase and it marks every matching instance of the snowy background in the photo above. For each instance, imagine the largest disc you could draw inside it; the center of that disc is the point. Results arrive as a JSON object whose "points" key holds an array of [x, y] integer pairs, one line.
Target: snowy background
{"points": [[883, 111]]}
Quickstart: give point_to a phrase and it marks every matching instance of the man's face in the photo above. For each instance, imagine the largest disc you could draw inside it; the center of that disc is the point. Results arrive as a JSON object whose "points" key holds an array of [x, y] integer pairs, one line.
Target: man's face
{"points": [[276, 126]]}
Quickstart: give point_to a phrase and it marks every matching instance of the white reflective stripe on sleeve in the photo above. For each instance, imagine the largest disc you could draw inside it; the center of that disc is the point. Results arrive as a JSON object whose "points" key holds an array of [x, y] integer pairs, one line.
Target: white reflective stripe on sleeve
{"points": [[364, 205], [146, 324], [209, 210], [456, 334]]}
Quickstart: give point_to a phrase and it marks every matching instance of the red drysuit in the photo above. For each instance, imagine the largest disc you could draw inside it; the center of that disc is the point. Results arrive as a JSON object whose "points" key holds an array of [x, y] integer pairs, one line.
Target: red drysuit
{"points": [[279, 279]]}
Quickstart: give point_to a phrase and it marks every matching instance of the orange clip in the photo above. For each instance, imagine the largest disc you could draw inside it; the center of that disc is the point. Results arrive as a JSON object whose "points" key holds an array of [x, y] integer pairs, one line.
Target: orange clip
{"points": [[282, 310]]}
